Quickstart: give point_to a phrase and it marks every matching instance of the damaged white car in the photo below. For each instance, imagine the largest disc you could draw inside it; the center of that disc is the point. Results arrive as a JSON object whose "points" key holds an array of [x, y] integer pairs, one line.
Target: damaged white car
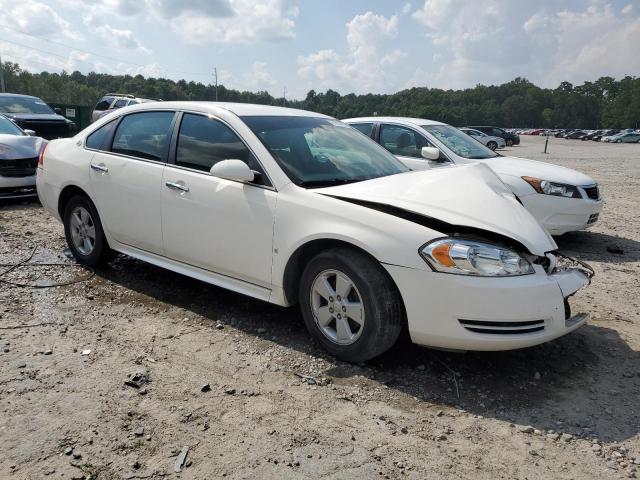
{"points": [[293, 207]]}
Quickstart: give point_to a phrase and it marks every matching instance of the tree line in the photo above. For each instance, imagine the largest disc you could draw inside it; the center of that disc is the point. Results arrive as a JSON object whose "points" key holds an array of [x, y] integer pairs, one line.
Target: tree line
{"points": [[604, 103]]}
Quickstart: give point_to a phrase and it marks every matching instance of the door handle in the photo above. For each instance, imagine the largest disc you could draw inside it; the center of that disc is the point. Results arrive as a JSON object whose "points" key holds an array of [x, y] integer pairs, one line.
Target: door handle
{"points": [[177, 186], [100, 168]]}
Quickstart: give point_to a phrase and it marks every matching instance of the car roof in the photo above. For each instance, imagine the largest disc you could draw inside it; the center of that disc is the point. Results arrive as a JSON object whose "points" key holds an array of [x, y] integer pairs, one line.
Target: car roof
{"points": [[413, 121], [240, 109]]}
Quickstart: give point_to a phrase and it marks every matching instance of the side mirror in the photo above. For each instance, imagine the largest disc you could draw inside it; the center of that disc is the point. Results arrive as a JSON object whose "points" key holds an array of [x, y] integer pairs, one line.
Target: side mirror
{"points": [[430, 153], [58, 111], [31, 133], [235, 170]]}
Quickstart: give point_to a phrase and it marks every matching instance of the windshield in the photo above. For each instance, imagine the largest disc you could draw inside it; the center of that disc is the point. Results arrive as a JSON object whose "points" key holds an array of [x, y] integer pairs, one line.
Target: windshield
{"points": [[24, 105], [459, 143], [7, 127], [316, 152]]}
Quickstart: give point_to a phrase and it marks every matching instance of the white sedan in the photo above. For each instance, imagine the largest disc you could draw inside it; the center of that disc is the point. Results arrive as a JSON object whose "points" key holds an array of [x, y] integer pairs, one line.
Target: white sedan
{"points": [[293, 207], [487, 140], [563, 200]]}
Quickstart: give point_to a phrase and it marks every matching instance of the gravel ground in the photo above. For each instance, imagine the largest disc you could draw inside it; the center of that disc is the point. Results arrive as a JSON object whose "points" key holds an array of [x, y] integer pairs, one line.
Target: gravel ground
{"points": [[240, 383]]}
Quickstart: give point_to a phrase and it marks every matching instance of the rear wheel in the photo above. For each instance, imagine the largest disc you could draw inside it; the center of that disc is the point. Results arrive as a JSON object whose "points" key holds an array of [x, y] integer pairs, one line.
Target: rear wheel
{"points": [[84, 234], [492, 145], [350, 304]]}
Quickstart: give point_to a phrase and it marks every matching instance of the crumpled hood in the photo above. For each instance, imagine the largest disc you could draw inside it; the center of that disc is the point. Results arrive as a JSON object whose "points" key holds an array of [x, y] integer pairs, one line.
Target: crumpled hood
{"points": [[519, 167], [15, 147], [470, 195]]}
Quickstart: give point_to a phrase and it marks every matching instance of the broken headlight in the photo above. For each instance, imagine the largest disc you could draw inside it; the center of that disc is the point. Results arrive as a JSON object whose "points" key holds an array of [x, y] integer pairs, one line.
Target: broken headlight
{"points": [[470, 257]]}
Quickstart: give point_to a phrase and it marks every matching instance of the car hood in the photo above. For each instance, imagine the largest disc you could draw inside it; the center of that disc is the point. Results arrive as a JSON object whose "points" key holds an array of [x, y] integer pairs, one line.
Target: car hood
{"points": [[469, 195], [41, 117], [15, 147], [519, 167]]}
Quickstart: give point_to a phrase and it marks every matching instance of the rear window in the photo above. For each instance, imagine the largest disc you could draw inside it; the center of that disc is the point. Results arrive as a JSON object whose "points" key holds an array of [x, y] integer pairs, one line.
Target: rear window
{"points": [[144, 135], [104, 104]]}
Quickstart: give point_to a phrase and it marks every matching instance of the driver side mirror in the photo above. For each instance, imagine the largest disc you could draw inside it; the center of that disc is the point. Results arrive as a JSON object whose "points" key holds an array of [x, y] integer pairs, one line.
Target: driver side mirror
{"points": [[58, 111], [430, 153], [235, 170], [31, 133]]}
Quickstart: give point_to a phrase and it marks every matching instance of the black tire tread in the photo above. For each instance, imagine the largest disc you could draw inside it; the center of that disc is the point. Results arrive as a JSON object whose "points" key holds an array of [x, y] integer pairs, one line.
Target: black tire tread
{"points": [[101, 253]]}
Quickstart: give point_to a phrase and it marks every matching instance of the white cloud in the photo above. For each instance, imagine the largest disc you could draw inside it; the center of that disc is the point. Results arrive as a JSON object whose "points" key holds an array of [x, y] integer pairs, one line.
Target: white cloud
{"points": [[32, 17], [115, 37], [247, 21], [363, 69], [627, 9], [259, 78], [496, 40]]}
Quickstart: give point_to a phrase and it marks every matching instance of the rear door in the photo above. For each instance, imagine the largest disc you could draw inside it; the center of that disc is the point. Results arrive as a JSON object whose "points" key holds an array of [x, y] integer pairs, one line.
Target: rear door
{"points": [[126, 177], [218, 225]]}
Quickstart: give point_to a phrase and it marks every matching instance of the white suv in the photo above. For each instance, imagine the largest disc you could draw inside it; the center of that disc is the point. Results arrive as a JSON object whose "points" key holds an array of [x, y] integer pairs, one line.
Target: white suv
{"points": [[114, 101], [294, 207]]}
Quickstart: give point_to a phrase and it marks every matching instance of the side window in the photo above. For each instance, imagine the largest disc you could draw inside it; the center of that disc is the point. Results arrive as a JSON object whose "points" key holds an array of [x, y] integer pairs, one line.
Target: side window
{"points": [[366, 128], [403, 141], [120, 103], [204, 141], [104, 104], [97, 139], [496, 132], [144, 135]]}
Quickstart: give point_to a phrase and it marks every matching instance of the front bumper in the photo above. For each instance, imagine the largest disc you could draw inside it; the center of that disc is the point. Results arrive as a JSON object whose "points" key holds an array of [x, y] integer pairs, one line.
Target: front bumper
{"points": [[482, 313], [17, 187], [561, 215]]}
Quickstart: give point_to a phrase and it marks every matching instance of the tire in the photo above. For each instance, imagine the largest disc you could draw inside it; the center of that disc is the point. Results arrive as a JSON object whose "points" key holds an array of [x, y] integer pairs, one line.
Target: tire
{"points": [[509, 142], [83, 232], [376, 324], [492, 145]]}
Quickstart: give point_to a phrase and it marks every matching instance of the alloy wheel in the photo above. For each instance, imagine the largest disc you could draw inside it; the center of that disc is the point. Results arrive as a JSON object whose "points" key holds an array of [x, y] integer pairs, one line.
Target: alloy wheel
{"points": [[83, 230]]}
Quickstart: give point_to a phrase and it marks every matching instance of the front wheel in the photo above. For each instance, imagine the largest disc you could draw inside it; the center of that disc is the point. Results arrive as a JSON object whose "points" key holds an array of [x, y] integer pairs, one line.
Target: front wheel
{"points": [[492, 145], [84, 234], [350, 304], [509, 143]]}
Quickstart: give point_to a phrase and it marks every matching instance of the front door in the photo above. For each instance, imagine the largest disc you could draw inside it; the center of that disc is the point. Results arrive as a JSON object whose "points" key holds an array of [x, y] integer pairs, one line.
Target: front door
{"points": [[219, 225]]}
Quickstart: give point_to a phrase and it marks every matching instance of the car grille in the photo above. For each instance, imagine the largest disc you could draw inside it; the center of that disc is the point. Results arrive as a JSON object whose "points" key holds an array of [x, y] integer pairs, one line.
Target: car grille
{"points": [[592, 192], [46, 129], [503, 328], [24, 167]]}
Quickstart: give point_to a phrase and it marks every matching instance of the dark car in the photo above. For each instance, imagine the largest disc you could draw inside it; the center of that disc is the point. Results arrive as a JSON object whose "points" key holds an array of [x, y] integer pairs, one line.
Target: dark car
{"points": [[509, 138], [34, 114], [575, 134], [561, 133], [604, 133]]}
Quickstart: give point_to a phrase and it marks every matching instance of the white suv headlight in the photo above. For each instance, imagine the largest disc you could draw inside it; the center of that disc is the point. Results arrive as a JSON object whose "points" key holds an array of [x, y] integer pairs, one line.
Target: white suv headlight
{"points": [[469, 257]]}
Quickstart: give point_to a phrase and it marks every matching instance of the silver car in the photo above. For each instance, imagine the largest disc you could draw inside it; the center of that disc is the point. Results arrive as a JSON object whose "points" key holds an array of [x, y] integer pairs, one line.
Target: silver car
{"points": [[483, 138]]}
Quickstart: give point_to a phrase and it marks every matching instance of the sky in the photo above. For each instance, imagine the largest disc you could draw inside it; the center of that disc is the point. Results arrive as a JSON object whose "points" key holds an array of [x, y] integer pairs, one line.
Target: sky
{"points": [[361, 46]]}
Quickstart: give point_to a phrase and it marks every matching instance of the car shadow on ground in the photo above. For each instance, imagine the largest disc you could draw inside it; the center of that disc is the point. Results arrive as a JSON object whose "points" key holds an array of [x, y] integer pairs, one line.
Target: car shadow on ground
{"points": [[599, 247], [584, 383]]}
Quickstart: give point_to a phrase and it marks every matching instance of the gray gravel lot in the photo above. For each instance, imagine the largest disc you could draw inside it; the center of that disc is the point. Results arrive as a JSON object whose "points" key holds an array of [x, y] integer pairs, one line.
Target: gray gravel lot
{"points": [[276, 405]]}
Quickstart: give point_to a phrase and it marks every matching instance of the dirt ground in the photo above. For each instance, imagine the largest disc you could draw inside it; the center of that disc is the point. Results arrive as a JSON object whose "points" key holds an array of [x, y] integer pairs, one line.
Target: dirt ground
{"points": [[278, 407]]}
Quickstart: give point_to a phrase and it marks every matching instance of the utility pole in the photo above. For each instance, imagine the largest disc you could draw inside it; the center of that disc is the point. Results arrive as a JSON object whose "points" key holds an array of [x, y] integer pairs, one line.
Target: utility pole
{"points": [[215, 74], [2, 89]]}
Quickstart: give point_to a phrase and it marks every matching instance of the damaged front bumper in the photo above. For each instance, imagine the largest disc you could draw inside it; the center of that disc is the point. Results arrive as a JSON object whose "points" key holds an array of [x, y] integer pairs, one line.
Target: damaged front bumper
{"points": [[463, 312]]}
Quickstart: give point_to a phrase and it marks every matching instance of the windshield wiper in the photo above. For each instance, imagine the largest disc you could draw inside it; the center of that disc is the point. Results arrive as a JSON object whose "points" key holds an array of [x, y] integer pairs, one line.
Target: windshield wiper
{"points": [[327, 182]]}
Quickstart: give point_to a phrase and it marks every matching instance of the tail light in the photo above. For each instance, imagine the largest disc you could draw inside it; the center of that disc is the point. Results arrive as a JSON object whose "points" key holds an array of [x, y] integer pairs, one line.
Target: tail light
{"points": [[41, 156]]}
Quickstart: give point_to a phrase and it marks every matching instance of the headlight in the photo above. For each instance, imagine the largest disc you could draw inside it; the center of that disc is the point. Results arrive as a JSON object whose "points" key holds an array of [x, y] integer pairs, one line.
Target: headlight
{"points": [[552, 188], [469, 257]]}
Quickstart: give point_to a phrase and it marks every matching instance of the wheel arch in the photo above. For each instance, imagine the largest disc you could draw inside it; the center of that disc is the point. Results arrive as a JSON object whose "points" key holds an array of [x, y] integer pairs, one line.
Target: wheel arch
{"points": [[67, 194], [304, 253]]}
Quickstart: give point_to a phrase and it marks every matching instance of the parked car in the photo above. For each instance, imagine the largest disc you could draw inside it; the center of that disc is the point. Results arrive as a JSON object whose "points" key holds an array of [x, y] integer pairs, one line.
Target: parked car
{"points": [[33, 114], [363, 244], [19, 151], [598, 137], [483, 138], [626, 137], [563, 200], [575, 134], [509, 138], [113, 101]]}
